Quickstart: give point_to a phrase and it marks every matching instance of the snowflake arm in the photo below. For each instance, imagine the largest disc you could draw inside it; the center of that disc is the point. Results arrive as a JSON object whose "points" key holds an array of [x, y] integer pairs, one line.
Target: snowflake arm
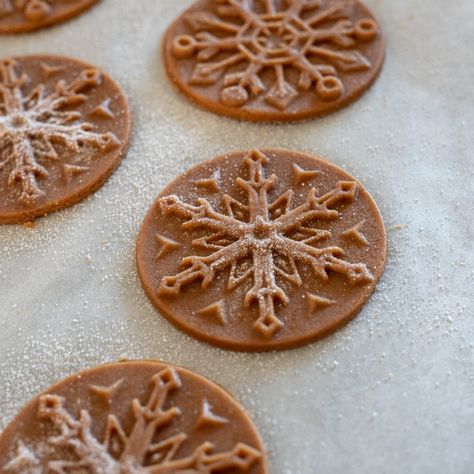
{"points": [[269, 7], [199, 21], [149, 418], [299, 6], [332, 13], [25, 461], [201, 216], [238, 8], [169, 447], [317, 207], [75, 435], [65, 94], [10, 88], [31, 125], [202, 461], [208, 73], [247, 78], [257, 186], [207, 44], [309, 211], [26, 171], [6, 149], [32, 10], [38, 144], [265, 292], [347, 61], [321, 260], [204, 268], [74, 136], [133, 453]]}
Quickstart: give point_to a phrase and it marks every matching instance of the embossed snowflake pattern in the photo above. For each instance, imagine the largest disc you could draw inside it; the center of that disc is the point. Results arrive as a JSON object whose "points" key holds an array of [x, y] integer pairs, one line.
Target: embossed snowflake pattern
{"points": [[34, 125], [137, 453], [245, 38], [32, 10], [262, 241]]}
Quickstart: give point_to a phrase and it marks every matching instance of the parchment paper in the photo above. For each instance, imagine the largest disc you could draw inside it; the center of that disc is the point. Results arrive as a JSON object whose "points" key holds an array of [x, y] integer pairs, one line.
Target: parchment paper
{"points": [[392, 392]]}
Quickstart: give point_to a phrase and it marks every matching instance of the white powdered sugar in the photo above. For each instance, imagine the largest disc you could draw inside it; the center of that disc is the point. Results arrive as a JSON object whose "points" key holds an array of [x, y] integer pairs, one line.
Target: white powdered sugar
{"points": [[392, 391]]}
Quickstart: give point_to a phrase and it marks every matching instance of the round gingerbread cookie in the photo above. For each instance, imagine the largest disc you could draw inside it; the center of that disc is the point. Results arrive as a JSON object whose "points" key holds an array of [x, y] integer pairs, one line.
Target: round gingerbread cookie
{"points": [[133, 417], [21, 16], [274, 60], [64, 128], [262, 250]]}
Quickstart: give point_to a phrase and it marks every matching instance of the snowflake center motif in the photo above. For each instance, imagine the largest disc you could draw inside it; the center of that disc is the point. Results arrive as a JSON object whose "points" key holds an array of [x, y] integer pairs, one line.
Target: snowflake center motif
{"points": [[313, 37], [18, 122], [34, 125], [271, 38], [273, 236], [139, 451]]}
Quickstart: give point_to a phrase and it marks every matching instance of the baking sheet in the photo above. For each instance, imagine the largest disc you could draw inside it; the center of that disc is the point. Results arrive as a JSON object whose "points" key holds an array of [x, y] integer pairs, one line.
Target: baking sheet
{"points": [[391, 392]]}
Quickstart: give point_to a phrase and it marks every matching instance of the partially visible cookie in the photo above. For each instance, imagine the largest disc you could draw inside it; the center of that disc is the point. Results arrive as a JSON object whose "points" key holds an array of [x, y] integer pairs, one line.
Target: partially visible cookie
{"points": [[64, 128], [132, 418], [21, 16], [261, 250], [274, 60]]}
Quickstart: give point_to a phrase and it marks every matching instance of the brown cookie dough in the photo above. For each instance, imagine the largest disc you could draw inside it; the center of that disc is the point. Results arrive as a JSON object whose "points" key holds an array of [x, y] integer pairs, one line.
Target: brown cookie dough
{"points": [[274, 60], [21, 16], [64, 128], [133, 417], [261, 250]]}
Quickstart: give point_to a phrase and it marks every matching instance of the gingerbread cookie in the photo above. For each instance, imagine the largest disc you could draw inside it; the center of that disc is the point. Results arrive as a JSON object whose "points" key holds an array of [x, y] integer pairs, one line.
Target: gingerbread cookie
{"points": [[20, 16], [262, 250], [64, 128], [274, 60], [134, 418]]}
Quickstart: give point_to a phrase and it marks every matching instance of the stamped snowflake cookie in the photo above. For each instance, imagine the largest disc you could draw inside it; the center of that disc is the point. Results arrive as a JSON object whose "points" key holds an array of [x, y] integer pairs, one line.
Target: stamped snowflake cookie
{"points": [[262, 250], [64, 128], [274, 60], [19, 16], [133, 418]]}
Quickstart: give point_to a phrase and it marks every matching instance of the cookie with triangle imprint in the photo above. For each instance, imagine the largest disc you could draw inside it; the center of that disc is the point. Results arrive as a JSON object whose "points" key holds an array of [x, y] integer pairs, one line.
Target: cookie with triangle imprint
{"points": [[274, 60], [261, 250], [133, 417], [64, 128]]}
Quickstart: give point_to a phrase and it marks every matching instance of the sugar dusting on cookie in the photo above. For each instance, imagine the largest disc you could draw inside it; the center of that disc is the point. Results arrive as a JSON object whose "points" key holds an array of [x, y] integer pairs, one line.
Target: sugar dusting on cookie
{"points": [[71, 299]]}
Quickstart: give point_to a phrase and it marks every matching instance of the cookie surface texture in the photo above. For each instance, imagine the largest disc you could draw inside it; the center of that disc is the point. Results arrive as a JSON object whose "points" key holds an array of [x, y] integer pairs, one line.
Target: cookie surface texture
{"points": [[274, 60], [133, 417], [261, 250], [22, 16], [64, 128]]}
